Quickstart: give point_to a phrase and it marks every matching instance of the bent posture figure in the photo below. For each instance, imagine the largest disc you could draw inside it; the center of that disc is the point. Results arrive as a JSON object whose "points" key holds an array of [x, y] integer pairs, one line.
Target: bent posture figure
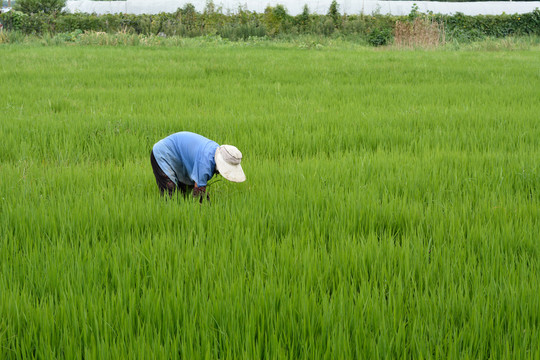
{"points": [[187, 161]]}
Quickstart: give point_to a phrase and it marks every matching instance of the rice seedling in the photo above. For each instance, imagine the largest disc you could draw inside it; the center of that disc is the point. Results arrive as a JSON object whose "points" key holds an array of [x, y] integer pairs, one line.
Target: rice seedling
{"points": [[390, 210]]}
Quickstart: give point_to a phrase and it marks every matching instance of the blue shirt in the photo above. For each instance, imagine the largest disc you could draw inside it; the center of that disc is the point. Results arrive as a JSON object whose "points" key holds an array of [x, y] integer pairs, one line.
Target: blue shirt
{"points": [[186, 158]]}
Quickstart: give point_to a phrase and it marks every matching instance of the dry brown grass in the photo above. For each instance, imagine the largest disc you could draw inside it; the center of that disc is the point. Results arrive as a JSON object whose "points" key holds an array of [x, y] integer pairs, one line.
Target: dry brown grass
{"points": [[3, 37], [423, 33]]}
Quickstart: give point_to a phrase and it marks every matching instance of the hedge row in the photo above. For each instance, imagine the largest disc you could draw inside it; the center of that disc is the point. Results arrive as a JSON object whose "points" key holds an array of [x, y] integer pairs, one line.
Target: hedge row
{"points": [[187, 22]]}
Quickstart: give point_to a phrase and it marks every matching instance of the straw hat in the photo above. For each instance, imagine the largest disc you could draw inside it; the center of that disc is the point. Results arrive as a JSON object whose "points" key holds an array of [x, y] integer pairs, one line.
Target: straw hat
{"points": [[228, 159]]}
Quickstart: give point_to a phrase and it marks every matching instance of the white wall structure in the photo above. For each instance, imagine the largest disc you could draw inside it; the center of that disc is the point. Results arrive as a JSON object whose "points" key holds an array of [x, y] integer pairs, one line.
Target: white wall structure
{"points": [[295, 7]]}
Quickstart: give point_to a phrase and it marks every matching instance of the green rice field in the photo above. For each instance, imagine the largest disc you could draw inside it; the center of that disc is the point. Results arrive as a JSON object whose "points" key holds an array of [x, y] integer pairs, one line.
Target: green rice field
{"points": [[391, 208]]}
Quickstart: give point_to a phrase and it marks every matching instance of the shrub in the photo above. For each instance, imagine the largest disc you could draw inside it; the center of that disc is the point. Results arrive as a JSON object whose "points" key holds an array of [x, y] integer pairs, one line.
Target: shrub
{"points": [[379, 36], [13, 20], [37, 6]]}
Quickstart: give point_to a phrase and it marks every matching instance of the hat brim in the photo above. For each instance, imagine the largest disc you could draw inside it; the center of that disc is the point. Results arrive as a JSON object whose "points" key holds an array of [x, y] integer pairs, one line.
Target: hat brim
{"points": [[230, 172]]}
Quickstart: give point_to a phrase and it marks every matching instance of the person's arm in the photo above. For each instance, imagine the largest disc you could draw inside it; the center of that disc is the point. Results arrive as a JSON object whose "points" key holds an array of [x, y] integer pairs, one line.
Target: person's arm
{"points": [[203, 172]]}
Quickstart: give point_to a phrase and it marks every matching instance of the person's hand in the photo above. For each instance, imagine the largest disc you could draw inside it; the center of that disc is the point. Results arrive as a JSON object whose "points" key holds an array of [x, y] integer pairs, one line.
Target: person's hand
{"points": [[200, 192]]}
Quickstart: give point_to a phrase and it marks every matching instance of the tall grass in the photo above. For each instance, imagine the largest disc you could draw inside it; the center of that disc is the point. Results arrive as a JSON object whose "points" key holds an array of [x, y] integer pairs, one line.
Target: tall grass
{"points": [[390, 207]]}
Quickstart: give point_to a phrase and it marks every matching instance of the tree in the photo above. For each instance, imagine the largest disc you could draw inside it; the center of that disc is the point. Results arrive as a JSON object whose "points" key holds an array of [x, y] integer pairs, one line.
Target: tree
{"points": [[209, 8], [303, 19], [276, 19], [189, 16], [333, 13], [37, 6]]}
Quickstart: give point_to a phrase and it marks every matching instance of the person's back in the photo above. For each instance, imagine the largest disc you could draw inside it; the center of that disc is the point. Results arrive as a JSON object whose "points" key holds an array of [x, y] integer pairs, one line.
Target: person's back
{"points": [[186, 158]]}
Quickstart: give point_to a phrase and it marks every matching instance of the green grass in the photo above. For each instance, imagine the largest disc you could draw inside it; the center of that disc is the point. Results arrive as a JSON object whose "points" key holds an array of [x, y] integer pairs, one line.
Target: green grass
{"points": [[390, 210]]}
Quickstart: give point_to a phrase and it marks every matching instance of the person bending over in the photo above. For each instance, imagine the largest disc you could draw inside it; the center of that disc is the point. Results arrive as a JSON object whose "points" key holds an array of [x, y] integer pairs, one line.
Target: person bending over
{"points": [[186, 161]]}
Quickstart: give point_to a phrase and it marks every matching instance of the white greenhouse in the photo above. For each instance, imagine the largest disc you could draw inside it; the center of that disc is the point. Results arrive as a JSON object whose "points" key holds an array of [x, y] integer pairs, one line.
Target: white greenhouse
{"points": [[295, 7]]}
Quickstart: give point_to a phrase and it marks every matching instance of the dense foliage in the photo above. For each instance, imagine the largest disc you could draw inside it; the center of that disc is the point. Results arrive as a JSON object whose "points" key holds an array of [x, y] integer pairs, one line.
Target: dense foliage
{"points": [[39, 6], [187, 22]]}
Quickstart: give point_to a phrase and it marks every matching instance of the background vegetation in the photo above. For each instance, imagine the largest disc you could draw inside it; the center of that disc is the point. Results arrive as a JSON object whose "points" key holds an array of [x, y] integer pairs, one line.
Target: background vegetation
{"points": [[274, 22], [39, 6], [390, 210]]}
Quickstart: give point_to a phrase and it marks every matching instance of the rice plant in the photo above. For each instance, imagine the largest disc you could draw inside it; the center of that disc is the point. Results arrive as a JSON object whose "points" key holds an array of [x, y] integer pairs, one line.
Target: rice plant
{"points": [[390, 210]]}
